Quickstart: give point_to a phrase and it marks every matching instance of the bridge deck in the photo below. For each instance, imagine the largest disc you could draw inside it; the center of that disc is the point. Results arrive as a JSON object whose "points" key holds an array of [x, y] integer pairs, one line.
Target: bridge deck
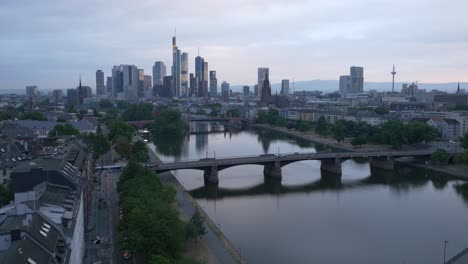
{"points": [[285, 158]]}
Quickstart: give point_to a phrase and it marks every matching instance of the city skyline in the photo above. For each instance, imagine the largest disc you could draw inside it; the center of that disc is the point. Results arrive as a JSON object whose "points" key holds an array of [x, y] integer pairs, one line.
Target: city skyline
{"points": [[58, 38]]}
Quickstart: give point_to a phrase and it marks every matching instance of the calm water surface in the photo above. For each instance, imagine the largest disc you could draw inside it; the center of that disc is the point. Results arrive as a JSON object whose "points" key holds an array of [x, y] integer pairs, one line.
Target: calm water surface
{"points": [[363, 217]]}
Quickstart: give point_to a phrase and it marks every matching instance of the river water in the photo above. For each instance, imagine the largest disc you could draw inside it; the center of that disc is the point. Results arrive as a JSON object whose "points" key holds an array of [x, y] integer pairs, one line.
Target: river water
{"points": [[363, 217]]}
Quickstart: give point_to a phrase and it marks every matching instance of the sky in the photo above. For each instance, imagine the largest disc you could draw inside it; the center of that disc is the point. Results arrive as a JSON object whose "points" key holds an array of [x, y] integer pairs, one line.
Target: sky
{"points": [[49, 43]]}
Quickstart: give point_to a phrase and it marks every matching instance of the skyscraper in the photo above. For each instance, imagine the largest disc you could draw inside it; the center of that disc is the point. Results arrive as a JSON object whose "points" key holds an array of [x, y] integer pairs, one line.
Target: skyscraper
{"points": [[57, 94], [109, 85], [184, 75], [256, 90], [284, 87], [31, 91], [225, 90], [357, 79], [176, 67], [117, 81], [167, 87], [199, 63], [213, 84], [141, 83], [194, 82], [262, 73], [125, 81], [147, 86], [246, 90], [345, 85], [72, 97], [100, 88], [159, 72], [205, 79]]}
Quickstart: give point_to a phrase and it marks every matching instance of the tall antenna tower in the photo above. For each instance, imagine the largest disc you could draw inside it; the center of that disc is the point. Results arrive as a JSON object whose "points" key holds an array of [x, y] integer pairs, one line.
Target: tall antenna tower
{"points": [[393, 78]]}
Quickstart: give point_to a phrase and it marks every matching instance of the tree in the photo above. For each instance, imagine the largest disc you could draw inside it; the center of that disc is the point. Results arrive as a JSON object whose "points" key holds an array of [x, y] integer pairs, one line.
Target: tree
{"points": [[106, 103], [135, 112], [339, 131], [381, 111], [303, 126], [462, 157], [118, 128], [33, 116], [168, 123], [123, 147], [61, 119], [140, 152], [63, 130], [98, 143], [464, 141], [233, 113], [440, 155], [358, 141], [5, 116], [195, 228], [151, 223], [322, 126]]}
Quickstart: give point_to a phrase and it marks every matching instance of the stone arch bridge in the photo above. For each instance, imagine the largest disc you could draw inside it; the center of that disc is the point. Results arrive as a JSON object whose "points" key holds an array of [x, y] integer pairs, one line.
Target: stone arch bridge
{"points": [[330, 162]]}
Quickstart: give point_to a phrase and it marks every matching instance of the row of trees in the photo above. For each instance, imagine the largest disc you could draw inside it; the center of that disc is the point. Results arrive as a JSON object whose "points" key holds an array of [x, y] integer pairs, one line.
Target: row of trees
{"points": [[151, 224], [271, 117]]}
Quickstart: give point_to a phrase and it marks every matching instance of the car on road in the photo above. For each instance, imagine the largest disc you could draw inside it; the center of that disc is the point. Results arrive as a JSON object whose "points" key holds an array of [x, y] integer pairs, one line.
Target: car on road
{"points": [[127, 255]]}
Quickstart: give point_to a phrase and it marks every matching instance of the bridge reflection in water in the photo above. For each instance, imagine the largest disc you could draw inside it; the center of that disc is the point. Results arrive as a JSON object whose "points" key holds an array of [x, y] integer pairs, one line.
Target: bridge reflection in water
{"points": [[403, 179]]}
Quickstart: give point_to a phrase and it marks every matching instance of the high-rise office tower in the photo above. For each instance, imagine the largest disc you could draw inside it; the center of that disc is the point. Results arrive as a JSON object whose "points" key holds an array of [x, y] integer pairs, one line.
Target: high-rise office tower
{"points": [[72, 97], [167, 87], [117, 81], [109, 85], [57, 94], [357, 79], [256, 90], [159, 72], [31, 91], [345, 85], [266, 90], [125, 81], [194, 82], [225, 90], [176, 67], [246, 90], [284, 87], [199, 73], [213, 84], [100, 88], [147, 86], [262, 73], [184, 75], [205, 79], [141, 83]]}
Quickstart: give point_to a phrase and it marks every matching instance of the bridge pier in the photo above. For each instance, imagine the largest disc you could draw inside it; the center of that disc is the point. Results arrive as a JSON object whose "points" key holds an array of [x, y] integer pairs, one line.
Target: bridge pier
{"points": [[272, 170], [383, 163], [211, 175], [332, 165]]}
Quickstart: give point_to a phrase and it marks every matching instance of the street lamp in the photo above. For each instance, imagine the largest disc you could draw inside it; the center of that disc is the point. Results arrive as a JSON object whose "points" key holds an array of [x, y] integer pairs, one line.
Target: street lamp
{"points": [[445, 248]]}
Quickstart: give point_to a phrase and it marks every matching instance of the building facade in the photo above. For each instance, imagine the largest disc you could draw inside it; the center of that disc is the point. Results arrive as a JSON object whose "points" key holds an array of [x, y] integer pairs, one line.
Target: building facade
{"points": [[176, 67], [100, 88], [31, 91], [213, 84], [284, 87], [159, 72], [357, 79], [261, 75]]}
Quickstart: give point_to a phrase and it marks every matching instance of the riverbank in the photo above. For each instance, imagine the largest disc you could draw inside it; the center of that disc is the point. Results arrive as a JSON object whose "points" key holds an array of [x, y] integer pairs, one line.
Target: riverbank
{"points": [[455, 170], [214, 247], [458, 171]]}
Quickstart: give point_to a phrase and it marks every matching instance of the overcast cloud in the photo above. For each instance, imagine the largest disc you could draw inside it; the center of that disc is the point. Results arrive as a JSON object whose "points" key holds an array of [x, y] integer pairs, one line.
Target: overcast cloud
{"points": [[49, 43]]}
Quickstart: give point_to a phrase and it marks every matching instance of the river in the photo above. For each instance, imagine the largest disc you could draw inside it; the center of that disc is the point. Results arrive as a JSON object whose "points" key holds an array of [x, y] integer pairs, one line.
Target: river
{"points": [[363, 217]]}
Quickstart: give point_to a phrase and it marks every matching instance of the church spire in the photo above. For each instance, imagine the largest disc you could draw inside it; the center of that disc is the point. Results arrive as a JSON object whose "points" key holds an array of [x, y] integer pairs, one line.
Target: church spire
{"points": [[458, 90]]}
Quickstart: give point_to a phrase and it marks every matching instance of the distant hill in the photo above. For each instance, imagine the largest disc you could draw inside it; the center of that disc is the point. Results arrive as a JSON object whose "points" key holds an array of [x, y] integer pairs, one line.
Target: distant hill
{"points": [[333, 85]]}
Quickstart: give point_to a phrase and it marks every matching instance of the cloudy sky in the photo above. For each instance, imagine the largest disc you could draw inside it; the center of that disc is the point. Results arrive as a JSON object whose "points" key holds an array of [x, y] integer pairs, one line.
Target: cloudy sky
{"points": [[50, 42]]}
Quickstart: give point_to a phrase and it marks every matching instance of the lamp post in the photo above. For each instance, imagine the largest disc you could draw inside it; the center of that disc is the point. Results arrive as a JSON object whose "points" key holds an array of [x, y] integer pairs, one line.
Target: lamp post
{"points": [[445, 248]]}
